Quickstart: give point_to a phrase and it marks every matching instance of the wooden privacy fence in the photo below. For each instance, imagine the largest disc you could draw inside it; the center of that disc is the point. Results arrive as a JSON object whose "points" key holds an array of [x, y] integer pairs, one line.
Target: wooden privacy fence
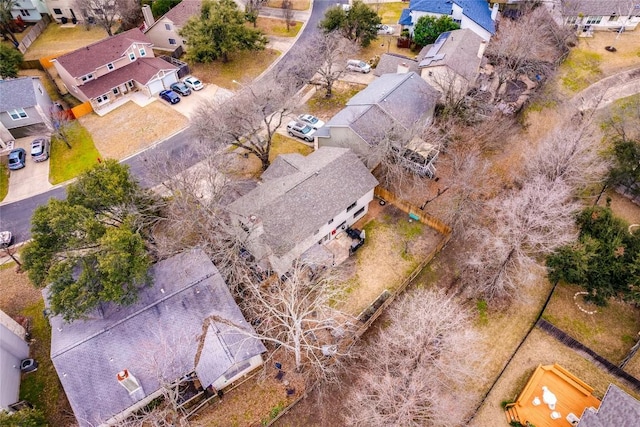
{"points": [[45, 61], [82, 109], [413, 211], [33, 33]]}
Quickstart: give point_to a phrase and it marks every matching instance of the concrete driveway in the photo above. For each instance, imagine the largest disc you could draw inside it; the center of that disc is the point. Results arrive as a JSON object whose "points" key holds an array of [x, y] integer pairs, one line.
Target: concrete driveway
{"points": [[188, 104], [31, 179]]}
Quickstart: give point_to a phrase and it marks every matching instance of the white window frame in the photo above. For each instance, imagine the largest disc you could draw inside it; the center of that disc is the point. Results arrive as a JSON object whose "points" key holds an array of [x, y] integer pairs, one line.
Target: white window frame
{"points": [[172, 41], [132, 56], [87, 77], [110, 66], [142, 52], [167, 27], [102, 99], [130, 84], [18, 114], [594, 20]]}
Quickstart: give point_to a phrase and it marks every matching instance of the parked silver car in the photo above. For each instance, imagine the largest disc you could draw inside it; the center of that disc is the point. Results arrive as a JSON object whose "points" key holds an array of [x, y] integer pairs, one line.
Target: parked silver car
{"points": [[40, 149], [301, 130], [359, 66], [312, 121]]}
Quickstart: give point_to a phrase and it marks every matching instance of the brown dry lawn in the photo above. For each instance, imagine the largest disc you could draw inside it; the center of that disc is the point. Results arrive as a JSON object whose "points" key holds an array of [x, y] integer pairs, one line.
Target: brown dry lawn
{"points": [[16, 290], [277, 27], [131, 128], [540, 348], [295, 4], [242, 67], [611, 331], [56, 40]]}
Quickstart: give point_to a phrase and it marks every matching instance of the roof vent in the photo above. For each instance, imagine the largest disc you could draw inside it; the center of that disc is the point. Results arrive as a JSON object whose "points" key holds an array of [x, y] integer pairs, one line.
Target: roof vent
{"points": [[128, 381]]}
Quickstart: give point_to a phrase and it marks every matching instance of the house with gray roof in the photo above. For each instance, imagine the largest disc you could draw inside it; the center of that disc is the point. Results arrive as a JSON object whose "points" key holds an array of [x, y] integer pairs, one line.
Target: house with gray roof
{"points": [[105, 73], [452, 63], [24, 107], [616, 409], [392, 102], [13, 349], [301, 203], [473, 14], [395, 63], [164, 32], [184, 328], [597, 15]]}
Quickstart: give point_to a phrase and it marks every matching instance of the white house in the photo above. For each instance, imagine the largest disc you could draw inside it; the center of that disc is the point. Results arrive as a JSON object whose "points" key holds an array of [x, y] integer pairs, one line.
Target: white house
{"points": [[110, 69], [596, 15], [301, 203], [183, 328], [13, 348], [29, 10], [164, 32], [473, 14]]}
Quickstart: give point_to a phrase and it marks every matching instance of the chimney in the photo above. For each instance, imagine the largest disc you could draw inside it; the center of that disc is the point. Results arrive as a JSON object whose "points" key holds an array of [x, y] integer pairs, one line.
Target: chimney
{"points": [[403, 68], [494, 11], [481, 48], [128, 381], [148, 16]]}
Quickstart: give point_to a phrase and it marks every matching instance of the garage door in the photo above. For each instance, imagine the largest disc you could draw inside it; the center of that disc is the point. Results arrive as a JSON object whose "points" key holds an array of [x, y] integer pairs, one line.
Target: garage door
{"points": [[169, 79], [155, 86]]}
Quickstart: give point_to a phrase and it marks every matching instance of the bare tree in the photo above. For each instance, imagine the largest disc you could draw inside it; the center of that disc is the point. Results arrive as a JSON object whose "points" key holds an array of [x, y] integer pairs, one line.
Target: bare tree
{"points": [[415, 367], [295, 312], [287, 13], [252, 11], [329, 57], [533, 45], [106, 13], [249, 120]]}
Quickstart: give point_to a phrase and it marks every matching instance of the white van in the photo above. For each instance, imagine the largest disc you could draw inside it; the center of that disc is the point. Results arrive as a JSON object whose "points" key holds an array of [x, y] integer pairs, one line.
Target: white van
{"points": [[357, 65]]}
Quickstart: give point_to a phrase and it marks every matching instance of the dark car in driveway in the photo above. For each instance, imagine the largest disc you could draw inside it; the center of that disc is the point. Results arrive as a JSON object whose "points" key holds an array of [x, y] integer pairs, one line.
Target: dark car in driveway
{"points": [[17, 159], [170, 96], [181, 88]]}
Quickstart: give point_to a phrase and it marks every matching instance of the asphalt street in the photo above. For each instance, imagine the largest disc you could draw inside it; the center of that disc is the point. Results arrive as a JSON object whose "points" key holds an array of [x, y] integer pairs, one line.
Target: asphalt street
{"points": [[16, 216]]}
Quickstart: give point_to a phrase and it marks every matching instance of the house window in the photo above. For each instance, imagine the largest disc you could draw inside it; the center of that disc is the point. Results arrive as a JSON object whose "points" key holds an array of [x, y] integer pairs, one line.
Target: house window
{"points": [[572, 20], [24, 12], [457, 21], [115, 91], [594, 20], [142, 52], [352, 205], [18, 114], [132, 56], [357, 214], [103, 98], [613, 18], [57, 11], [87, 77], [167, 27], [172, 41], [130, 84], [110, 66]]}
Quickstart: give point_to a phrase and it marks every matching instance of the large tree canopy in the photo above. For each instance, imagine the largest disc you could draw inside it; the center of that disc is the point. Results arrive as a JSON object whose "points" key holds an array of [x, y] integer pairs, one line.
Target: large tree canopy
{"points": [[91, 247], [428, 28], [10, 59], [219, 31], [358, 24], [605, 260]]}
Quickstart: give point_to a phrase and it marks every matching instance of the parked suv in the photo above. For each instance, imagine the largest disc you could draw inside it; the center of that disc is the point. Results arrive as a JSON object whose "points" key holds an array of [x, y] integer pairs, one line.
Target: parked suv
{"points": [[181, 88], [40, 149], [17, 159], [301, 130], [357, 65]]}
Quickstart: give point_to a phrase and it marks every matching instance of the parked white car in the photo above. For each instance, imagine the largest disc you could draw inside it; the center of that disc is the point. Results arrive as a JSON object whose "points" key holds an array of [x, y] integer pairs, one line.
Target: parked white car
{"points": [[193, 83], [385, 29], [359, 66], [6, 239], [312, 121]]}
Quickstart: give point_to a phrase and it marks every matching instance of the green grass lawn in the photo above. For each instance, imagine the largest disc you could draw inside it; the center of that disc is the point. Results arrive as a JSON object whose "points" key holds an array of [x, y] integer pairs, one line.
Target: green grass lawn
{"points": [[278, 27], [389, 12], [4, 181], [41, 388], [581, 69], [67, 163]]}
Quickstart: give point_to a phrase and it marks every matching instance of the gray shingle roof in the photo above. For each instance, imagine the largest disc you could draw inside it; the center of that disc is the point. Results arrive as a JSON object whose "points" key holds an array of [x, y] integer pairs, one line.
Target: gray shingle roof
{"points": [[87, 59], [389, 64], [186, 9], [165, 325], [456, 49], [17, 93], [600, 7], [404, 97], [617, 409], [294, 206]]}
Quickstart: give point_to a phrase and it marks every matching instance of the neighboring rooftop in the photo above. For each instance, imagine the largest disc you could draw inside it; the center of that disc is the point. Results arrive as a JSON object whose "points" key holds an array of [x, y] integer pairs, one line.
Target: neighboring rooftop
{"points": [[617, 409], [476, 10], [389, 63], [87, 59], [17, 93], [183, 11], [300, 194], [188, 307], [457, 50], [601, 8]]}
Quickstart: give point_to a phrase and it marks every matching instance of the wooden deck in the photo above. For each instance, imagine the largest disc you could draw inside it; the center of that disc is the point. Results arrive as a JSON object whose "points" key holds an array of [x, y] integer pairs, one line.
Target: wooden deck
{"points": [[573, 395]]}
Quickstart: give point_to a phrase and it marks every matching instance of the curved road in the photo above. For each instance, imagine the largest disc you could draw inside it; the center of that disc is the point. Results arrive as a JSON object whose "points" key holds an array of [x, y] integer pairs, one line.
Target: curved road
{"points": [[16, 216]]}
